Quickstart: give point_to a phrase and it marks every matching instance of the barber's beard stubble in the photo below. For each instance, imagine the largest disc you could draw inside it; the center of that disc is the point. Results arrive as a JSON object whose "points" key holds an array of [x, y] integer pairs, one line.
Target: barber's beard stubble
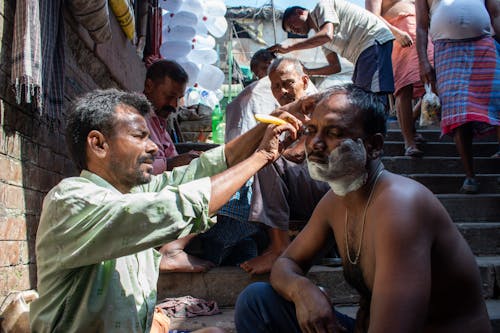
{"points": [[138, 175], [346, 168]]}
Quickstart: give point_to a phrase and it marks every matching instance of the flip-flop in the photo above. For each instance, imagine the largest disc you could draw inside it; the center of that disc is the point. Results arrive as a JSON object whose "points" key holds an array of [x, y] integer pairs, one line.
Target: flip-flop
{"points": [[496, 155], [419, 138], [413, 152]]}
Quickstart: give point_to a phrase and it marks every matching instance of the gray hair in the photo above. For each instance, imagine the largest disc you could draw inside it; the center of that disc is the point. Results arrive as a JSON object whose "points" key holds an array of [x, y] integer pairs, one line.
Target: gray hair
{"points": [[297, 65]]}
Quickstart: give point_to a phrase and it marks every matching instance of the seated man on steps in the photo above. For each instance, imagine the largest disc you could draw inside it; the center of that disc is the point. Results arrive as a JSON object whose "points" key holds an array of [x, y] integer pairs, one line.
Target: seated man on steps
{"points": [[280, 192], [283, 191], [164, 86], [400, 248]]}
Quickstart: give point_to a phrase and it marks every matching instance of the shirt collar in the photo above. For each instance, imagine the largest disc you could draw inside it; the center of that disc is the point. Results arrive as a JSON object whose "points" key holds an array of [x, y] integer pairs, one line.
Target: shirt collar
{"points": [[98, 180]]}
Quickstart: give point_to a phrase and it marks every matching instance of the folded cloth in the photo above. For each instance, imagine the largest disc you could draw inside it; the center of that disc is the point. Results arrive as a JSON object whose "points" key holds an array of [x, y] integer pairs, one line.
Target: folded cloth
{"points": [[93, 16], [187, 307], [26, 74]]}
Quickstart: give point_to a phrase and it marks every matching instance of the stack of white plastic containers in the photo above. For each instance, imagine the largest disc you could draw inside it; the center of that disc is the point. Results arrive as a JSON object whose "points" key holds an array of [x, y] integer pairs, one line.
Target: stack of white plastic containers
{"points": [[189, 28]]}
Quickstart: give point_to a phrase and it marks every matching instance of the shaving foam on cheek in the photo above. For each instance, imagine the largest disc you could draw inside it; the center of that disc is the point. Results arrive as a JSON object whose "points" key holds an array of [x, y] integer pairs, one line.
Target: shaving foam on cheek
{"points": [[346, 168]]}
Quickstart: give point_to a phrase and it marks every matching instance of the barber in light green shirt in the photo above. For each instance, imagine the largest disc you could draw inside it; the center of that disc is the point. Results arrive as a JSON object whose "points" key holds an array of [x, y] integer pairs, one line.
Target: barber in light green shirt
{"points": [[97, 269]]}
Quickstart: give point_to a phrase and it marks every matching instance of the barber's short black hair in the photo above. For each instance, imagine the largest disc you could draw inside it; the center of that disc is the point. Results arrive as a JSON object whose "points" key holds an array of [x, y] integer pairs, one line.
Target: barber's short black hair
{"points": [[289, 12], [167, 68], [96, 111], [262, 55], [369, 104]]}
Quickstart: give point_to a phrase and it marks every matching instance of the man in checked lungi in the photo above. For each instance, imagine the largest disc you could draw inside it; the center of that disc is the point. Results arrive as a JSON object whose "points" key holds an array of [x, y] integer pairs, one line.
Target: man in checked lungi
{"points": [[466, 72]]}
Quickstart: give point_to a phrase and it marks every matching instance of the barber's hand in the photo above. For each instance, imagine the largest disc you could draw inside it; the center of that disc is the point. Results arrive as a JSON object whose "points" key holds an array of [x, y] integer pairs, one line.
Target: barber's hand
{"points": [[314, 311], [296, 151], [271, 144], [278, 48], [182, 159], [301, 108]]}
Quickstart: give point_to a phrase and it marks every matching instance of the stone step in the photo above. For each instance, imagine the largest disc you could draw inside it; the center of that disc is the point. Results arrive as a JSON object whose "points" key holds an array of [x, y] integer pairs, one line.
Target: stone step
{"points": [[482, 237], [480, 149], [472, 207], [439, 165], [434, 135], [451, 183], [223, 284], [225, 319]]}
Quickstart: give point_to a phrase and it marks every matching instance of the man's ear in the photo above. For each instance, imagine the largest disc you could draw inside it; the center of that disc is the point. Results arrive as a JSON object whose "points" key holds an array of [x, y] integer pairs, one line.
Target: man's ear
{"points": [[305, 80], [148, 86], [97, 144], [374, 146]]}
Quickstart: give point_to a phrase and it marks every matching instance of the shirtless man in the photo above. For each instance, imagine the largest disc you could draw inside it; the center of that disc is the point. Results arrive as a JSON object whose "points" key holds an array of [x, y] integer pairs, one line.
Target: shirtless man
{"points": [[399, 247], [400, 18]]}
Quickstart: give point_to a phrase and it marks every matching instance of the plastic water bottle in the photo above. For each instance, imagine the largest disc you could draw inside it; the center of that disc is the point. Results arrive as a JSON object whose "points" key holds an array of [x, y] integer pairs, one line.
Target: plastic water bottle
{"points": [[218, 125]]}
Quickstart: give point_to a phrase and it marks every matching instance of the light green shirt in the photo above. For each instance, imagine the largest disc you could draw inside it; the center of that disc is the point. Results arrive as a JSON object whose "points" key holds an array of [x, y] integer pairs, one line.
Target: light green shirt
{"points": [[354, 28], [97, 271]]}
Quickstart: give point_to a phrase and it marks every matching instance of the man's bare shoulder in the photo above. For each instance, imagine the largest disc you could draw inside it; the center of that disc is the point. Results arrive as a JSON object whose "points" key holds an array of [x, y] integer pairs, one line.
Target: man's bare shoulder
{"points": [[404, 201]]}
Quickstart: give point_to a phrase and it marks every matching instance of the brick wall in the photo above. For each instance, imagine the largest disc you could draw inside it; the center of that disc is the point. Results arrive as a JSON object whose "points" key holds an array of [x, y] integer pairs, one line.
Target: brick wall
{"points": [[32, 148]]}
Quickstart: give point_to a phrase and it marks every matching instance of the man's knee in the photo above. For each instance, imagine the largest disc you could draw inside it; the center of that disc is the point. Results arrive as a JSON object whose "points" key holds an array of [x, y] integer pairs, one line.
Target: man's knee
{"points": [[253, 295]]}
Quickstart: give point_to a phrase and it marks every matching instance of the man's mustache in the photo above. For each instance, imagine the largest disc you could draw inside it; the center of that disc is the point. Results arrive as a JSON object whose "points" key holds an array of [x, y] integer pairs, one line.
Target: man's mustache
{"points": [[148, 158], [318, 156], [168, 108]]}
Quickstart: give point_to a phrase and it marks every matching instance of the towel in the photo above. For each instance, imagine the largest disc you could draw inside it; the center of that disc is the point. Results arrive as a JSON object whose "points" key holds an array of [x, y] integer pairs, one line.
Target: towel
{"points": [[26, 53]]}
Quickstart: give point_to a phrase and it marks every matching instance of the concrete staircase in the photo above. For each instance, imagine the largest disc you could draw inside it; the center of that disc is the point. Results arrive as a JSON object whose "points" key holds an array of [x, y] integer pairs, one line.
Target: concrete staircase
{"points": [[476, 216]]}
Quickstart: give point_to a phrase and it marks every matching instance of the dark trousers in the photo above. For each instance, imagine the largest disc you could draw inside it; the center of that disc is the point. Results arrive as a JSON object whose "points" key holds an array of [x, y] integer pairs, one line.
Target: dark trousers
{"points": [[260, 308]]}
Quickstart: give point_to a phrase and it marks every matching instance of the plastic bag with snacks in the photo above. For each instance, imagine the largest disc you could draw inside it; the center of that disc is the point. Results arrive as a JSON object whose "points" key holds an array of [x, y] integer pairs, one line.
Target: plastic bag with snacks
{"points": [[431, 107]]}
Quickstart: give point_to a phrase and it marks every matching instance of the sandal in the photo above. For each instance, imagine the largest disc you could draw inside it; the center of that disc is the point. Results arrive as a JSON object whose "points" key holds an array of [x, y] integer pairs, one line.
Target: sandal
{"points": [[419, 138], [413, 152], [470, 186]]}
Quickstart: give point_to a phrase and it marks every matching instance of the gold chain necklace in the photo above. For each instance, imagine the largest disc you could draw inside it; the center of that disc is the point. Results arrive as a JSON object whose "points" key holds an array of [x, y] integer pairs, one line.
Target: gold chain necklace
{"points": [[355, 261]]}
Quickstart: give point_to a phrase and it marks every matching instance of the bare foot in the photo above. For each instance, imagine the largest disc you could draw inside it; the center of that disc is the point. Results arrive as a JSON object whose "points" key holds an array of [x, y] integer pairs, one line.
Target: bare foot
{"points": [[180, 261], [261, 264]]}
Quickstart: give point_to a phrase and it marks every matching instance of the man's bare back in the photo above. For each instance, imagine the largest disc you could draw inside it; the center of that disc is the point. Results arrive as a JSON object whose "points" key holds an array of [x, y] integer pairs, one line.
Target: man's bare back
{"points": [[433, 242]]}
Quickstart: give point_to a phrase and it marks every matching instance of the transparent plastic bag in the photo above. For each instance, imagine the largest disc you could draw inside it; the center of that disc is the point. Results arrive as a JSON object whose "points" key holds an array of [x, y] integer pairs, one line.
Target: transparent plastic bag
{"points": [[430, 109]]}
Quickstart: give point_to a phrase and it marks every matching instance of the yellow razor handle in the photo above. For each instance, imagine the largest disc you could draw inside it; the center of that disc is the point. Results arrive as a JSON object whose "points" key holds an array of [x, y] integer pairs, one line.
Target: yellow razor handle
{"points": [[268, 119]]}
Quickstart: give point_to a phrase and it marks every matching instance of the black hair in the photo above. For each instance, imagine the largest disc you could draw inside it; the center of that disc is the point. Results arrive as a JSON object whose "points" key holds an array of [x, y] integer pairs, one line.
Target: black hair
{"points": [[262, 55], [288, 13], [96, 111], [372, 109], [167, 68]]}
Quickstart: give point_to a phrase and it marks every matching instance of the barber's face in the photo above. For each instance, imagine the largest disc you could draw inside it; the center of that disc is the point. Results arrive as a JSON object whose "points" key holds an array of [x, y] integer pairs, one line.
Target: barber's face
{"points": [[260, 70], [297, 24], [131, 151], [287, 85], [164, 95], [332, 123]]}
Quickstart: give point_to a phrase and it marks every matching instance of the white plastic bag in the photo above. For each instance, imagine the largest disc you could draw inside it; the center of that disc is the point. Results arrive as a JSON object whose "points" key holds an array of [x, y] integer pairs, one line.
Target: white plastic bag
{"points": [[431, 107]]}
